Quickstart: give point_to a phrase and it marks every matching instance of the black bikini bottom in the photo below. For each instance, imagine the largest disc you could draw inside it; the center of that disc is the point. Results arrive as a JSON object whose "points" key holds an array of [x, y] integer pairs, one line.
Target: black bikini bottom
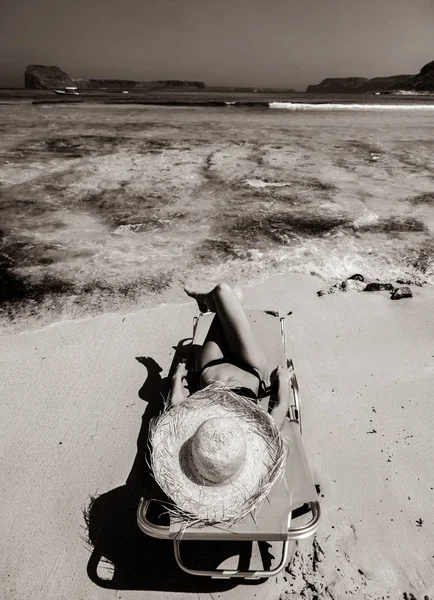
{"points": [[242, 391]]}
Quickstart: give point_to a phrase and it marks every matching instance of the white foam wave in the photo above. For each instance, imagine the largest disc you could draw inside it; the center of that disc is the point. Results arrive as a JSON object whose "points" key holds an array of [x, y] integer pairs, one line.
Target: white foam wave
{"points": [[332, 261], [259, 183], [341, 106], [366, 219]]}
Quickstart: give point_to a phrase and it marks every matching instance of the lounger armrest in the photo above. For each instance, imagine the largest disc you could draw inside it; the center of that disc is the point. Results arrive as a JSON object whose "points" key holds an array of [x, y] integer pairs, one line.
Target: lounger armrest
{"points": [[303, 531], [151, 529]]}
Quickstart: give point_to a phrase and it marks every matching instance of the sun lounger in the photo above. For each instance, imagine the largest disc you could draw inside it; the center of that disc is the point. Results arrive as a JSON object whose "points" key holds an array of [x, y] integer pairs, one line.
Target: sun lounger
{"points": [[294, 493]]}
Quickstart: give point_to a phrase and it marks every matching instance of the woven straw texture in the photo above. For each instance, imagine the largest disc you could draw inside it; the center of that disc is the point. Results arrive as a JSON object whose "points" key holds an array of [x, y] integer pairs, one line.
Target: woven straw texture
{"points": [[193, 501]]}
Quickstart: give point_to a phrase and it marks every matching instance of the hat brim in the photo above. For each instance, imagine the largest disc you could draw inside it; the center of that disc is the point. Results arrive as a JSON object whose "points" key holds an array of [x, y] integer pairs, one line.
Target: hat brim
{"points": [[172, 469]]}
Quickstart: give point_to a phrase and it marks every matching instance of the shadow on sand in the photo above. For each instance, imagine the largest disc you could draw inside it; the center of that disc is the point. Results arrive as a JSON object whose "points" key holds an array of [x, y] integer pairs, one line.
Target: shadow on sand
{"points": [[122, 557]]}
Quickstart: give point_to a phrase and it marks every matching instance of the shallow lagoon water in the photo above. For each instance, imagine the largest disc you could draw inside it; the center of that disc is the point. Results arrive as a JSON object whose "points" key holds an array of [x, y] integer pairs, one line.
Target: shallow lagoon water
{"points": [[111, 206]]}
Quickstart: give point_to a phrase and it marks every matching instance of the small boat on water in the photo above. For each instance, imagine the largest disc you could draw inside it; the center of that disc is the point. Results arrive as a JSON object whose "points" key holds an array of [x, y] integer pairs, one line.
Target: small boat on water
{"points": [[68, 91]]}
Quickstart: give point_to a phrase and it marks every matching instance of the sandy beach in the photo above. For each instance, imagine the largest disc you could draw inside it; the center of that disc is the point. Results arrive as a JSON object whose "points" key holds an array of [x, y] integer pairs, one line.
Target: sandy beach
{"points": [[74, 396]]}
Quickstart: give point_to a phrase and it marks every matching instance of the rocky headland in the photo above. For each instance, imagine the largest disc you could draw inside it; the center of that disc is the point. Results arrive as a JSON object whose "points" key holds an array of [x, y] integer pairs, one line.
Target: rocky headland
{"points": [[358, 85], [43, 77], [423, 81]]}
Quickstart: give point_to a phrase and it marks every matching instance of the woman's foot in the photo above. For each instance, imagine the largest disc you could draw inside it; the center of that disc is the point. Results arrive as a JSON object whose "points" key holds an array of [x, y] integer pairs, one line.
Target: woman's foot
{"points": [[205, 302]]}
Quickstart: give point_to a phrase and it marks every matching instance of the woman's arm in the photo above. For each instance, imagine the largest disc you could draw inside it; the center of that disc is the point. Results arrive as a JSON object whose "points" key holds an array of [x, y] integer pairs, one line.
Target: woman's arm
{"points": [[178, 392]]}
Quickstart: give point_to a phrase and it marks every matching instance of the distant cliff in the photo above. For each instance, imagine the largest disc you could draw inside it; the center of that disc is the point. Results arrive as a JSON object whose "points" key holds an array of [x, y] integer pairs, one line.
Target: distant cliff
{"points": [[357, 85], [45, 78], [95, 84], [175, 83], [337, 85], [423, 82], [381, 84], [42, 77]]}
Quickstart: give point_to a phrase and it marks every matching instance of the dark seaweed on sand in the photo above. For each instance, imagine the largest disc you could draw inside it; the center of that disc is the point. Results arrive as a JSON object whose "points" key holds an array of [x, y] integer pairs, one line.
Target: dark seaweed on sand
{"points": [[210, 251], [24, 294], [395, 225], [65, 147], [426, 198], [277, 226]]}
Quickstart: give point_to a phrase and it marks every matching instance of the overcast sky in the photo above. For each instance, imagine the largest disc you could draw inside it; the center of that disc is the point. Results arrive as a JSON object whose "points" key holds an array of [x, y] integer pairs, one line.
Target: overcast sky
{"points": [[281, 43]]}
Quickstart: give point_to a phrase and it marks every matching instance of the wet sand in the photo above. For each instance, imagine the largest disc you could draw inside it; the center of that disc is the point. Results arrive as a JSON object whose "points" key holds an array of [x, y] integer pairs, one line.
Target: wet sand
{"points": [[74, 394]]}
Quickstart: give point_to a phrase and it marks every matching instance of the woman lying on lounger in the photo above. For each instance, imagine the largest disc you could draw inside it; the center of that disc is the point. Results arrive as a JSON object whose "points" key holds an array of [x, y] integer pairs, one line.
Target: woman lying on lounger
{"points": [[231, 354]]}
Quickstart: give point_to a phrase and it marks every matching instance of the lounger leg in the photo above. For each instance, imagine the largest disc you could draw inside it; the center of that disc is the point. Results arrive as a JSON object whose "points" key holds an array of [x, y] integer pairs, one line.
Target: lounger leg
{"points": [[227, 573]]}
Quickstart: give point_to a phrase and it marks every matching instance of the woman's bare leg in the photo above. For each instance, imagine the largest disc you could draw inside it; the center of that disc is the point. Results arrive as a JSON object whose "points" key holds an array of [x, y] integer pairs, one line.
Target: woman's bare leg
{"points": [[206, 302], [231, 335], [214, 347]]}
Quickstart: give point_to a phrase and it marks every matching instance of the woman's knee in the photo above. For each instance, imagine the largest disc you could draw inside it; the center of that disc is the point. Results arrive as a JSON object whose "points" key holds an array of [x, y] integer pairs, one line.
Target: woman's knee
{"points": [[223, 293], [223, 288]]}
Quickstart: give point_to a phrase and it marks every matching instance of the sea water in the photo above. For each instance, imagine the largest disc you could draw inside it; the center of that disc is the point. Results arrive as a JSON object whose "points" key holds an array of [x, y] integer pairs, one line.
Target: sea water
{"points": [[104, 205]]}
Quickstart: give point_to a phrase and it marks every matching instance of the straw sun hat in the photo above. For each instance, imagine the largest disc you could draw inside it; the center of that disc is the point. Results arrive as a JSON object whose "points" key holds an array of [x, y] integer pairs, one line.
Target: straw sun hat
{"points": [[215, 456]]}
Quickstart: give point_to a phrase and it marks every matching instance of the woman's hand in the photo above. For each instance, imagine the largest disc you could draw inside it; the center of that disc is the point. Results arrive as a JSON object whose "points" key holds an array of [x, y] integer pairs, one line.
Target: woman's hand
{"points": [[281, 374], [281, 377], [180, 371]]}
